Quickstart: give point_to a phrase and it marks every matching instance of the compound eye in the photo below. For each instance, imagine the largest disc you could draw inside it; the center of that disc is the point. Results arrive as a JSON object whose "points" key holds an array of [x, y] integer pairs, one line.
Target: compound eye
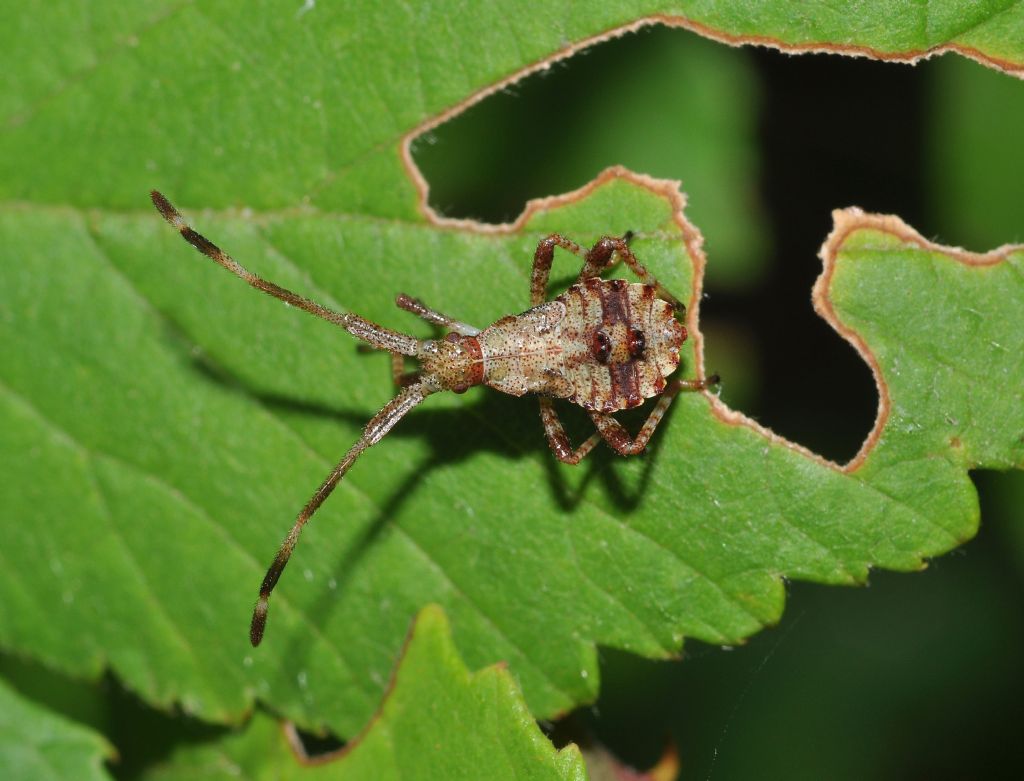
{"points": [[601, 346], [637, 343]]}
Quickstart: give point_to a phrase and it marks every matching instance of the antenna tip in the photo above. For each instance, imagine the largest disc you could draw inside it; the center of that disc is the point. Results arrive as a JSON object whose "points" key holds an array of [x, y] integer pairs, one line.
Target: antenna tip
{"points": [[167, 211], [259, 622]]}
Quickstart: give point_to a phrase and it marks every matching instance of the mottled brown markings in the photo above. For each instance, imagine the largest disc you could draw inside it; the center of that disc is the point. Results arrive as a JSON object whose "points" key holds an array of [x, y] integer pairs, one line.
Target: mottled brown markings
{"points": [[613, 434], [558, 439], [602, 342], [542, 259], [616, 317], [614, 302], [625, 385]]}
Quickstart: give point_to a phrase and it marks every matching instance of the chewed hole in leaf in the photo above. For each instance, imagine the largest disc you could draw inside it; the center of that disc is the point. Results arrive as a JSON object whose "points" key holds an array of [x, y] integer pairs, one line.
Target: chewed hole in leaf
{"points": [[749, 134], [314, 746]]}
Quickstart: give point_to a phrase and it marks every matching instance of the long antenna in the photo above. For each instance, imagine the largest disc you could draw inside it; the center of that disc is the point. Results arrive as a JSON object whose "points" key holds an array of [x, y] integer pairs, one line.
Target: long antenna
{"points": [[380, 337], [379, 425]]}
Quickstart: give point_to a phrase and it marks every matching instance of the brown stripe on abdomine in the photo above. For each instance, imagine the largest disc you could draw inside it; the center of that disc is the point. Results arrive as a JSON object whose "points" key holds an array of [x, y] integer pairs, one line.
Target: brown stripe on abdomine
{"points": [[606, 305], [614, 302], [615, 308], [624, 385]]}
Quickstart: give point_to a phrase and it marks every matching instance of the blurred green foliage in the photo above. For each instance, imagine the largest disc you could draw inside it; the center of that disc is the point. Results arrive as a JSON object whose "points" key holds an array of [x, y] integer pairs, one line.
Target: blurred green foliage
{"points": [[975, 155]]}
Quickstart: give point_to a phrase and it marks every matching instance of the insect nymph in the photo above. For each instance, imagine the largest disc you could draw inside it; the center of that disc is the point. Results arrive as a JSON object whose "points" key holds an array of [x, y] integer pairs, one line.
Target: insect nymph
{"points": [[604, 345]]}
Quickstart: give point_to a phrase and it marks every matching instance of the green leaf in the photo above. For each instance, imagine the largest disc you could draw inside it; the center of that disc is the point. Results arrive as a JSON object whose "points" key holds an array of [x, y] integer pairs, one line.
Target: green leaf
{"points": [[437, 721], [36, 744], [162, 423]]}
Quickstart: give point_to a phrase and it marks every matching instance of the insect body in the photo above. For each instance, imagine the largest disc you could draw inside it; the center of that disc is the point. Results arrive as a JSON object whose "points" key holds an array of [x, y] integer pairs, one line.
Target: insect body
{"points": [[605, 345]]}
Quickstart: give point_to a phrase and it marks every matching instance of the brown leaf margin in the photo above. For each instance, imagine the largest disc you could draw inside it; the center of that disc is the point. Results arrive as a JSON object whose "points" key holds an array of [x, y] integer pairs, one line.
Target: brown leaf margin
{"points": [[844, 223], [291, 732]]}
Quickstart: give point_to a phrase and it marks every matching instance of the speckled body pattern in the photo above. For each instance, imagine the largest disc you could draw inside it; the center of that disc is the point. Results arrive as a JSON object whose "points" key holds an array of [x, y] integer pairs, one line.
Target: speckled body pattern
{"points": [[554, 349], [604, 345]]}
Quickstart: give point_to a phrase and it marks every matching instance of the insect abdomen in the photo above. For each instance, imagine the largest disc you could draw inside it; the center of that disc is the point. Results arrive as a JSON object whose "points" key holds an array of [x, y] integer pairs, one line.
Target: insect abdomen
{"points": [[621, 341]]}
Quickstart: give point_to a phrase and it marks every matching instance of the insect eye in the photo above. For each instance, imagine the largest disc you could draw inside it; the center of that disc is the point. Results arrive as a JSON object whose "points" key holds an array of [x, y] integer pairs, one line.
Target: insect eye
{"points": [[637, 343], [601, 347]]}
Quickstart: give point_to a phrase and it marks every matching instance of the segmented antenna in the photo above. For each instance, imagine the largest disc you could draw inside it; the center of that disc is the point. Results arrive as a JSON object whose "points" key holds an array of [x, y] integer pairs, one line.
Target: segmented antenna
{"points": [[381, 423]]}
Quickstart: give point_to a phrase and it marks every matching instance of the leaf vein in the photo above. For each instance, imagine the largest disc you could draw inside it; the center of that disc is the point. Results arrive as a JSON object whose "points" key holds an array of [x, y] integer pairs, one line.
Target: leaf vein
{"points": [[492, 622], [200, 511], [578, 566]]}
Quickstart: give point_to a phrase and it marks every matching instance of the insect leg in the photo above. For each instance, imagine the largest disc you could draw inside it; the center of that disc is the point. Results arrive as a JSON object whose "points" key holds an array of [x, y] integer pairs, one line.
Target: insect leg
{"points": [[542, 259], [379, 425], [558, 440], [616, 435], [380, 337], [418, 308], [398, 373], [401, 377], [604, 254]]}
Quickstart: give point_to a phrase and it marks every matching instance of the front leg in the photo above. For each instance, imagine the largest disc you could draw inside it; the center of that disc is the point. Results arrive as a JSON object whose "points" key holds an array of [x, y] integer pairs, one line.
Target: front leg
{"points": [[603, 256], [558, 440], [542, 260]]}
